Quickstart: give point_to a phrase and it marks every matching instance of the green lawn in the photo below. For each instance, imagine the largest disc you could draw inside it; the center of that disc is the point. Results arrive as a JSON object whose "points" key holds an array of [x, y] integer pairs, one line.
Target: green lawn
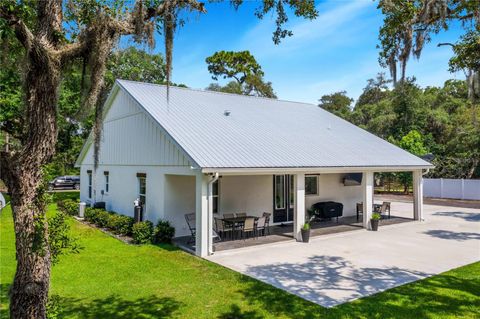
{"points": [[110, 279]]}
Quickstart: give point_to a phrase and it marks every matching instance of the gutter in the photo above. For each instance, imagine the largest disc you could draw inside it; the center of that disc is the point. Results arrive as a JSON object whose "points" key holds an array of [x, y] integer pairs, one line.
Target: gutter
{"points": [[311, 170], [210, 213]]}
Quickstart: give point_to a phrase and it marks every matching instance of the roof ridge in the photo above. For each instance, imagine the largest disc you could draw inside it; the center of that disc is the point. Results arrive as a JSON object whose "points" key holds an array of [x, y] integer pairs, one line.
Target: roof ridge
{"points": [[218, 92]]}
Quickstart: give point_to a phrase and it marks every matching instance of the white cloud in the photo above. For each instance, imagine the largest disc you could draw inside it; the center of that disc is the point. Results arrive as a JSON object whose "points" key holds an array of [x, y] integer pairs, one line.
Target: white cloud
{"points": [[329, 24]]}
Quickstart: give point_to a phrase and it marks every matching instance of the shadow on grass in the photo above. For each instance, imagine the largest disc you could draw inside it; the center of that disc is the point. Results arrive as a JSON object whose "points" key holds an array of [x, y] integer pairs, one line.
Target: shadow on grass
{"points": [[4, 299], [110, 307], [454, 294], [236, 312], [116, 307], [167, 247]]}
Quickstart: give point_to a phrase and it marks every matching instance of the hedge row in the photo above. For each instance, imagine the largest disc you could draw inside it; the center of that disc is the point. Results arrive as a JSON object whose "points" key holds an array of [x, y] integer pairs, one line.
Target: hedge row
{"points": [[142, 232], [118, 224], [68, 206]]}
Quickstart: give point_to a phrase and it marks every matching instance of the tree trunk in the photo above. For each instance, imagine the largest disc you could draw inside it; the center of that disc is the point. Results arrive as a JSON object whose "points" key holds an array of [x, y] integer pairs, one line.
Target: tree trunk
{"points": [[29, 292], [23, 174]]}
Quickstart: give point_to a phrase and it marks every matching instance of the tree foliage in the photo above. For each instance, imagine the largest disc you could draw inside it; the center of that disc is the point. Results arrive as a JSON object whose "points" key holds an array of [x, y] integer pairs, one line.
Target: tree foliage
{"points": [[437, 120], [409, 25], [243, 68], [337, 103], [54, 36]]}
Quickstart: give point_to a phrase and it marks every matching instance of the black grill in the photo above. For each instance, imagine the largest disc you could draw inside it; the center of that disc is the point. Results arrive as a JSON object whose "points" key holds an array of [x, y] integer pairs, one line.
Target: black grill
{"points": [[324, 210]]}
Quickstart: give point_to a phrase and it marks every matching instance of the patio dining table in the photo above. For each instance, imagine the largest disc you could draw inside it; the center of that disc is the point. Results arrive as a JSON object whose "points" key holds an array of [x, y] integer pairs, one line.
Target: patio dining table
{"points": [[235, 222]]}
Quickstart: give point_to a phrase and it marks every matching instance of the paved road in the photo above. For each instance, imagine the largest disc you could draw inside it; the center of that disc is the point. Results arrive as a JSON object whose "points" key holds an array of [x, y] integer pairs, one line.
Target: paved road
{"points": [[331, 270]]}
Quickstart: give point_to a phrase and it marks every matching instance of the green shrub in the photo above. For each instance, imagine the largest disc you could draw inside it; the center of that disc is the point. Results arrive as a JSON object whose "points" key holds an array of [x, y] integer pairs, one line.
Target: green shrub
{"points": [[120, 224], [124, 225], [68, 206], [163, 232], [61, 204], [93, 215], [112, 222], [89, 214], [142, 232], [102, 218]]}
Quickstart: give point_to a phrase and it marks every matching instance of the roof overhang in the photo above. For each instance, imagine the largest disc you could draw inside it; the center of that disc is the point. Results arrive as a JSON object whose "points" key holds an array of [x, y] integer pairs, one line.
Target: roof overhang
{"points": [[310, 170]]}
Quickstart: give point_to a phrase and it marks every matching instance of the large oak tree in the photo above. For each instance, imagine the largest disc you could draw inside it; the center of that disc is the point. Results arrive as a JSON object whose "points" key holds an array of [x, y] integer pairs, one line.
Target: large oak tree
{"points": [[54, 34]]}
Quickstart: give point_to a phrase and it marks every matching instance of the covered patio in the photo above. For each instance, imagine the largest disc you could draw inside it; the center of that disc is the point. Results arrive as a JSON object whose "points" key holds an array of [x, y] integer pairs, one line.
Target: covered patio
{"points": [[283, 233], [285, 198]]}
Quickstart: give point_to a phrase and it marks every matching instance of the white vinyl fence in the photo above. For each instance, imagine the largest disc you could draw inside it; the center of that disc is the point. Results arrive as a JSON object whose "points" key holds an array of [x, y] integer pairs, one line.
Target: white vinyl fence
{"points": [[451, 188]]}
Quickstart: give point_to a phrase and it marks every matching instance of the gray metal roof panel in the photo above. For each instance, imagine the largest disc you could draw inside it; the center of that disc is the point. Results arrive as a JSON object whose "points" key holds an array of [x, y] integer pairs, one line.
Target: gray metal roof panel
{"points": [[262, 132]]}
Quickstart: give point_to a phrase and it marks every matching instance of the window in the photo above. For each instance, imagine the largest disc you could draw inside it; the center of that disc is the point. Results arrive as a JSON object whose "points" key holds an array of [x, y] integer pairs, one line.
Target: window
{"points": [[89, 173], [142, 189], [106, 174], [215, 196], [311, 185], [279, 191], [291, 193]]}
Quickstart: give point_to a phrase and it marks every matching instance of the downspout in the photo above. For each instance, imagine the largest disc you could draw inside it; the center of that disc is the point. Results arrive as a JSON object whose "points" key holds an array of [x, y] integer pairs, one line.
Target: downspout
{"points": [[210, 213]]}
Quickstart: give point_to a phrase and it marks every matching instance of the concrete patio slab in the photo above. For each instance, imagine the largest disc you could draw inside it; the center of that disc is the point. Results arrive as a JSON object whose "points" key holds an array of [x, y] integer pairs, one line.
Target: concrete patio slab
{"points": [[334, 269]]}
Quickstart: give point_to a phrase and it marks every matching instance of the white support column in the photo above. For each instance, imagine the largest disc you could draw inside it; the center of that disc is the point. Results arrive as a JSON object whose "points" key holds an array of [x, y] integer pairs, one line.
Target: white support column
{"points": [[299, 215], [418, 195], [367, 199], [201, 215]]}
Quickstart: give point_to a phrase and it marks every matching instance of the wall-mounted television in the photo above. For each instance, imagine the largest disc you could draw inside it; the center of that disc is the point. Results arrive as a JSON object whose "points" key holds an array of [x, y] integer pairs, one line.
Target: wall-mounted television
{"points": [[353, 179]]}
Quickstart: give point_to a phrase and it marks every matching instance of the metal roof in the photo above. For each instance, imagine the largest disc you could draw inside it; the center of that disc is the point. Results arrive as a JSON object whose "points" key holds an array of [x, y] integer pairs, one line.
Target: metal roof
{"points": [[261, 132]]}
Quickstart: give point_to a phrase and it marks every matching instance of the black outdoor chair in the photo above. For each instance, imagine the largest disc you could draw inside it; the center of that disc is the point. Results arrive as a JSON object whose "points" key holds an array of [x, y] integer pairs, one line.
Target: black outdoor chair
{"points": [[190, 218]]}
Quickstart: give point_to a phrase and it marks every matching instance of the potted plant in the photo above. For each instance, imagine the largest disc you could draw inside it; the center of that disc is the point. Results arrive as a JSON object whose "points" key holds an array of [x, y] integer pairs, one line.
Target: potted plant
{"points": [[375, 220], [306, 232]]}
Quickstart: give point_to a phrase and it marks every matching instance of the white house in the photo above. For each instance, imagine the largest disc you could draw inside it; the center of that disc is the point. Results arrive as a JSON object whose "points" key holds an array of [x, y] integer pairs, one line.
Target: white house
{"points": [[209, 152]]}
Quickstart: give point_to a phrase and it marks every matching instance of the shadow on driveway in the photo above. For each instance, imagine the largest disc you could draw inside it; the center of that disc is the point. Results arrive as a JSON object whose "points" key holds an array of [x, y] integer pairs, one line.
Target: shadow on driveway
{"points": [[331, 280], [469, 217], [447, 234]]}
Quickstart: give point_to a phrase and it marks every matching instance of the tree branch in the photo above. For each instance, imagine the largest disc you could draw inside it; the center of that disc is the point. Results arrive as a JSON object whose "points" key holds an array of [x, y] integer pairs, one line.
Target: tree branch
{"points": [[71, 51], [446, 43], [22, 32]]}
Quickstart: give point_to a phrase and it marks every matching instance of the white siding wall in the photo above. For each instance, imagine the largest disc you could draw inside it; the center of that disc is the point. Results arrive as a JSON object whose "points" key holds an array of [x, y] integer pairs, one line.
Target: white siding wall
{"points": [[250, 194], [179, 200], [331, 188], [123, 189], [132, 143], [253, 194], [131, 137]]}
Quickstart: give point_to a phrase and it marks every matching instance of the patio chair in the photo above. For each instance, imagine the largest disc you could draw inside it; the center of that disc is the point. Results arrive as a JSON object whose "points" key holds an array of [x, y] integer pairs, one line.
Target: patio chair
{"points": [[190, 218], [359, 210], [385, 207], [267, 221], [228, 215], [223, 228], [241, 215], [248, 227], [260, 227]]}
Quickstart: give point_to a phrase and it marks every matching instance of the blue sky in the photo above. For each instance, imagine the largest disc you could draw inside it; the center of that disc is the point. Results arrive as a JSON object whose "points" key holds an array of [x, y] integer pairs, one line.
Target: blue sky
{"points": [[335, 52]]}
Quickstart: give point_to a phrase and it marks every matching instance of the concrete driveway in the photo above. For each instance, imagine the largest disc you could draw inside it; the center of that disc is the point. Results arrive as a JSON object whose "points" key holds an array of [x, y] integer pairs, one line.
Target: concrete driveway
{"points": [[334, 269]]}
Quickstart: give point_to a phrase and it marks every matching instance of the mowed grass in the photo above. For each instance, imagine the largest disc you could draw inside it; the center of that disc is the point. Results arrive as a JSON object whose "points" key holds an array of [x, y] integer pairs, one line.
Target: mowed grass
{"points": [[110, 279]]}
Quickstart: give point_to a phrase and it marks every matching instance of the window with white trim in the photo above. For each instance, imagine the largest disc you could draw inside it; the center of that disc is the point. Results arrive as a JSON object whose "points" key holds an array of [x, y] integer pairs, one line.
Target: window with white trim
{"points": [[215, 196], [142, 189], [106, 175], [89, 174], [311, 185]]}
